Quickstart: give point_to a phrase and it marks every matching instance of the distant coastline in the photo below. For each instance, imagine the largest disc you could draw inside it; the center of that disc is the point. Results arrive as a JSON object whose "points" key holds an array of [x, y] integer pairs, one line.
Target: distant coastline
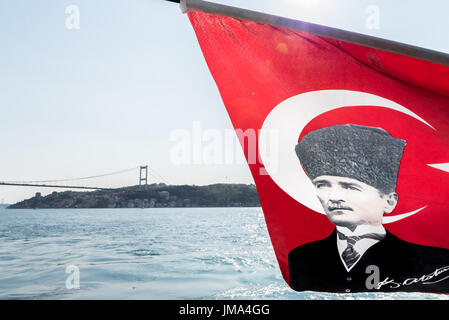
{"points": [[149, 196]]}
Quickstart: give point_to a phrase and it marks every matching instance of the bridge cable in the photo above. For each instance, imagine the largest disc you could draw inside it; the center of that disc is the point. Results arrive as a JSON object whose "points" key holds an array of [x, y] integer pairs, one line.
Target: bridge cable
{"points": [[74, 179]]}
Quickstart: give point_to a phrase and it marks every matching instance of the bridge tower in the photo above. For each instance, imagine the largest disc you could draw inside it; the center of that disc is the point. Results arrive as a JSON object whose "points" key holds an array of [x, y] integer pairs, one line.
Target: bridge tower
{"points": [[143, 176]]}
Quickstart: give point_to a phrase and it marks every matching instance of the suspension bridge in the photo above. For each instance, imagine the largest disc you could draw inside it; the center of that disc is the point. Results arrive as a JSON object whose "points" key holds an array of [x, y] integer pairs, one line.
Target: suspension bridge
{"points": [[143, 179]]}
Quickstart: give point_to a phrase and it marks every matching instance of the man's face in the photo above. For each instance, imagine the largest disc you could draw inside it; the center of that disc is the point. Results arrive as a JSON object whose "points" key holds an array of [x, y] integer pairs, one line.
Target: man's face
{"points": [[349, 202]]}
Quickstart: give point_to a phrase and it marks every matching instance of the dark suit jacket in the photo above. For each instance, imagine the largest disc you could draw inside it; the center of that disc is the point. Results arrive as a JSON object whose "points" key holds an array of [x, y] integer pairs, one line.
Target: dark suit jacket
{"points": [[317, 266]]}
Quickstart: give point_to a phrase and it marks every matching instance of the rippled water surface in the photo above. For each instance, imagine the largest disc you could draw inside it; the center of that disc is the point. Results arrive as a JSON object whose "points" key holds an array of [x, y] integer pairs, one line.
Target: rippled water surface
{"points": [[178, 253]]}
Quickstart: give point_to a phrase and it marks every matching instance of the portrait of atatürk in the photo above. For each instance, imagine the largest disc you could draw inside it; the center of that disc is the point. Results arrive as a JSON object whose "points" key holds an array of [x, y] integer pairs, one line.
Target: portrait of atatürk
{"points": [[354, 170]]}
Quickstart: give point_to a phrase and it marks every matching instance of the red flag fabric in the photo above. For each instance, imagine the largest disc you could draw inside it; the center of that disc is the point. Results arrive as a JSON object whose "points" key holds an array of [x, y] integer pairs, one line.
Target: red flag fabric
{"points": [[345, 133]]}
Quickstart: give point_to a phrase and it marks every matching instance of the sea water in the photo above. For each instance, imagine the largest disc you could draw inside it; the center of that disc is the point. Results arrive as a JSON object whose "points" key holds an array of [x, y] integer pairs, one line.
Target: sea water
{"points": [[156, 253]]}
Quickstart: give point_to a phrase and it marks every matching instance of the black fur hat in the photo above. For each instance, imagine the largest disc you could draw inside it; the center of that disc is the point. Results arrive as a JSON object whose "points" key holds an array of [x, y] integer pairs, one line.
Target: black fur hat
{"points": [[370, 155]]}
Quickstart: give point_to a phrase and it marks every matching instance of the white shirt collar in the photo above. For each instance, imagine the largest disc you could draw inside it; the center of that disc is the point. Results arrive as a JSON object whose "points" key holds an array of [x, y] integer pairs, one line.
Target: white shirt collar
{"points": [[362, 245], [361, 230]]}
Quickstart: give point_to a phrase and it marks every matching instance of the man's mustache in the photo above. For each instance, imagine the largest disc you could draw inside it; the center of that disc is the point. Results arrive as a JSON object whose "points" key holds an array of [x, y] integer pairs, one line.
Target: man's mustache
{"points": [[332, 206]]}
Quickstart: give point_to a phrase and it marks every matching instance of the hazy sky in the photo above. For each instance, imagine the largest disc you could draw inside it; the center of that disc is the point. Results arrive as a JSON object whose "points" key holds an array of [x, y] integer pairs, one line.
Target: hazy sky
{"points": [[108, 96]]}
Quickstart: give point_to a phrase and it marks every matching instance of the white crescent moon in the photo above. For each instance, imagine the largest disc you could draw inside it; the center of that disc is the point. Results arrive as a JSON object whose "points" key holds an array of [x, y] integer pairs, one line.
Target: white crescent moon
{"points": [[286, 121]]}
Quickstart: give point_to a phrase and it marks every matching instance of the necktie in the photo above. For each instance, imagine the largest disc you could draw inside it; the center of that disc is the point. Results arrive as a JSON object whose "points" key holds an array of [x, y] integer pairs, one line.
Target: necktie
{"points": [[350, 255]]}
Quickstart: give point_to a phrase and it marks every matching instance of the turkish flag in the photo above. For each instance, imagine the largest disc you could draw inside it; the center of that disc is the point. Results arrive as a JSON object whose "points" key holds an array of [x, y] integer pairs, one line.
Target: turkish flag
{"points": [[282, 85]]}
